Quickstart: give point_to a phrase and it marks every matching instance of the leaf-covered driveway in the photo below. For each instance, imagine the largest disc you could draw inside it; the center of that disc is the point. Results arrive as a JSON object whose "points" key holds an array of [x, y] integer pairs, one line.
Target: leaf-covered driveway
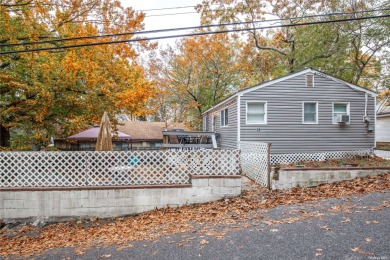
{"points": [[342, 220]]}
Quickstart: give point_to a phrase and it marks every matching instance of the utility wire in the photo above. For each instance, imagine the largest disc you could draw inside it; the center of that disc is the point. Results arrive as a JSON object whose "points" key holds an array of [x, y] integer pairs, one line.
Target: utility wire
{"points": [[188, 28], [166, 8], [177, 7], [153, 15], [141, 10], [195, 34]]}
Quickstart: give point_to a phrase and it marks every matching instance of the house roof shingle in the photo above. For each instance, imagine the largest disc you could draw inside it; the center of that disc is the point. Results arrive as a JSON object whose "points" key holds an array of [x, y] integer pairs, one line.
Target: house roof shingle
{"points": [[143, 130], [93, 133]]}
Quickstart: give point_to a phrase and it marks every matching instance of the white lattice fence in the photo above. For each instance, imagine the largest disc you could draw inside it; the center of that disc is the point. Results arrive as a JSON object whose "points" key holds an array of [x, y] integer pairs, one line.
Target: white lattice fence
{"points": [[300, 157], [67, 169], [382, 153], [254, 161]]}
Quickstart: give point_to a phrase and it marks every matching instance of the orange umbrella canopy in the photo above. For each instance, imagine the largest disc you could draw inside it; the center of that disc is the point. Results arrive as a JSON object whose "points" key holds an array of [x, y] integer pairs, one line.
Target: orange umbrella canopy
{"points": [[104, 140]]}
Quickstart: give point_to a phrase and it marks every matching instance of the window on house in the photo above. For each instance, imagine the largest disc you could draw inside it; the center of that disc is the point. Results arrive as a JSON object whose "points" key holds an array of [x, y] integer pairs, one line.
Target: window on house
{"points": [[256, 112], [340, 109], [224, 117], [206, 124], [310, 113], [310, 80]]}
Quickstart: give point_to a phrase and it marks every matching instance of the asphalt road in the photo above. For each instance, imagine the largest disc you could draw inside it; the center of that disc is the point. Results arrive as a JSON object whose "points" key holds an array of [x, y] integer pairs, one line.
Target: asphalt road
{"points": [[348, 228]]}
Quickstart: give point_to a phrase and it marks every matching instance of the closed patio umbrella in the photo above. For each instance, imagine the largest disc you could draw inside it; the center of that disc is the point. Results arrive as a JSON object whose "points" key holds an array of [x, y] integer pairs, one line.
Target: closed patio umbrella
{"points": [[104, 140]]}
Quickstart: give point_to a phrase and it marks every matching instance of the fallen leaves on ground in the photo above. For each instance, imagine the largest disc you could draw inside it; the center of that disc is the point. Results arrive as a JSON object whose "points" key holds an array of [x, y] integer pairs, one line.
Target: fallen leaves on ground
{"points": [[203, 242], [360, 251], [319, 252], [30, 240], [121, 247], [325, 227]]}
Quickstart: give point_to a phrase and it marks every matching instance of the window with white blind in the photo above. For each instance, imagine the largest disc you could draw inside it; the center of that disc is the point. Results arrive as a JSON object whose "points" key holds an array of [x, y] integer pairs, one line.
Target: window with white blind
{"points": [[256, 112], [310, 113]]}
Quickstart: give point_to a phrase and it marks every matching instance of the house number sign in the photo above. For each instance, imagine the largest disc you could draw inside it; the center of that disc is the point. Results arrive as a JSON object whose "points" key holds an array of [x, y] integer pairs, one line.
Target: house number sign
{"points": [[258, 129]]}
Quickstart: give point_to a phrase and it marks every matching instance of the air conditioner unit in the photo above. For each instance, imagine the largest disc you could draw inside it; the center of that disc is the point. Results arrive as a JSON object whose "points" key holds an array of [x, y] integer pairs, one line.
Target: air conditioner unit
{"points": [[342, 119]]}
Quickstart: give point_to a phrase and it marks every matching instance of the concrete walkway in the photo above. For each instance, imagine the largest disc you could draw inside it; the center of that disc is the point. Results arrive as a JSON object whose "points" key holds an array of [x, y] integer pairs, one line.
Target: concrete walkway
{"points": [[348, 228]]}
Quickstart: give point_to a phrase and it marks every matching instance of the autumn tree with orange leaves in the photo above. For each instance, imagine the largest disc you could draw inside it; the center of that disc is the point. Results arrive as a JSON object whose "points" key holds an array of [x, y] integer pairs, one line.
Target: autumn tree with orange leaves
{"points": [[196, 74], [58, 92]]}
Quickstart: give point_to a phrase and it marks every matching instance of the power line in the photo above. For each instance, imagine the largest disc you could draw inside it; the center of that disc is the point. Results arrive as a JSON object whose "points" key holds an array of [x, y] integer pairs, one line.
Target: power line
{"points": [[194, 34], [141, 10], [176, 7], [166, 8], [186, 28], [153, 15]]}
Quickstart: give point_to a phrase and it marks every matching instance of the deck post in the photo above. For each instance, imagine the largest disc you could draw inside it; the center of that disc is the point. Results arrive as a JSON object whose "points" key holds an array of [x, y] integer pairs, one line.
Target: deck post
{"points": [[269, 166]]}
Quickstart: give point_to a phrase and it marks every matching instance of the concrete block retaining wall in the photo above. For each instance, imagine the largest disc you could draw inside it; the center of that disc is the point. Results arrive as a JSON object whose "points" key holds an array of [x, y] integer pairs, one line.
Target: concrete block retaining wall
{"points": [[52, 204], [310, 177]]}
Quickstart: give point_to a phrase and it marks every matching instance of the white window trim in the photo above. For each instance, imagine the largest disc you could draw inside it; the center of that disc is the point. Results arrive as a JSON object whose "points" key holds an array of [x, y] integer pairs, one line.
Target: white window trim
{"points": [[348, 111], [303, 113], [312, 74], [265, 112], [220, 115]]}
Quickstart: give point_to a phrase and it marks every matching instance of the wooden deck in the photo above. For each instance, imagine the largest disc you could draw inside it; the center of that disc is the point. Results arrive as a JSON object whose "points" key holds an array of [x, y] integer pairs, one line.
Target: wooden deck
{"points": [[189, 139]]}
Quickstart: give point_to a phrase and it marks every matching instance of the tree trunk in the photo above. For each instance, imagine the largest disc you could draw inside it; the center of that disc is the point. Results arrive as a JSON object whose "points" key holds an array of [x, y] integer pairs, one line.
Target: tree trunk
{"points": [[4, 136], [291, 59]]}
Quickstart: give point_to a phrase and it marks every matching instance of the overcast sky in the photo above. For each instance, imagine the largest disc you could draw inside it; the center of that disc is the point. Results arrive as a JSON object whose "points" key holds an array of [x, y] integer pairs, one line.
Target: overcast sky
{"points": [[169, 21]]}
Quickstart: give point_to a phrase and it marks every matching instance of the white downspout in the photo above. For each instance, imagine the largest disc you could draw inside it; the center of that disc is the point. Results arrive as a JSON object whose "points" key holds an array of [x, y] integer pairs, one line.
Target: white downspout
{"points": [[366, 118], [365, 107]]}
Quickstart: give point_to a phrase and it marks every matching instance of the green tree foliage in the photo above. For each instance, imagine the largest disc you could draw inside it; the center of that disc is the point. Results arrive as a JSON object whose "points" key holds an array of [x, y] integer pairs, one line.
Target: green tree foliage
{"points": [[347, 50]]}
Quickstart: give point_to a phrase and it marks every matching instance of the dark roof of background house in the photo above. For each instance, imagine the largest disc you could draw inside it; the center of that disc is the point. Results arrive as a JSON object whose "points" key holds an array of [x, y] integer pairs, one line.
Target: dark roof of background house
{"points": [[93, 133], [143, 130]]}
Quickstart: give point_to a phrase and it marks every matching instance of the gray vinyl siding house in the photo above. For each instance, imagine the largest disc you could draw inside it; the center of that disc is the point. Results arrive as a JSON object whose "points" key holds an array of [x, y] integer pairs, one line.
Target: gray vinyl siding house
{"points": [[297, 113]]}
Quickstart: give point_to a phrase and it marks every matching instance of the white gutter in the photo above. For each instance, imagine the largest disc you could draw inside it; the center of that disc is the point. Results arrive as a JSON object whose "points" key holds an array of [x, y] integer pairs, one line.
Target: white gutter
{"points": [[219, 104], [353, 86]]}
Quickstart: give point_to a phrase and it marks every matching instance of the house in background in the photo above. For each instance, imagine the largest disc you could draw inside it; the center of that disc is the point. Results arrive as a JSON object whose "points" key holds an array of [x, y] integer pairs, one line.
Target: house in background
{"points": [[147, 135], [383, 126], [86, 141], [304, 112], [130, 135]]}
